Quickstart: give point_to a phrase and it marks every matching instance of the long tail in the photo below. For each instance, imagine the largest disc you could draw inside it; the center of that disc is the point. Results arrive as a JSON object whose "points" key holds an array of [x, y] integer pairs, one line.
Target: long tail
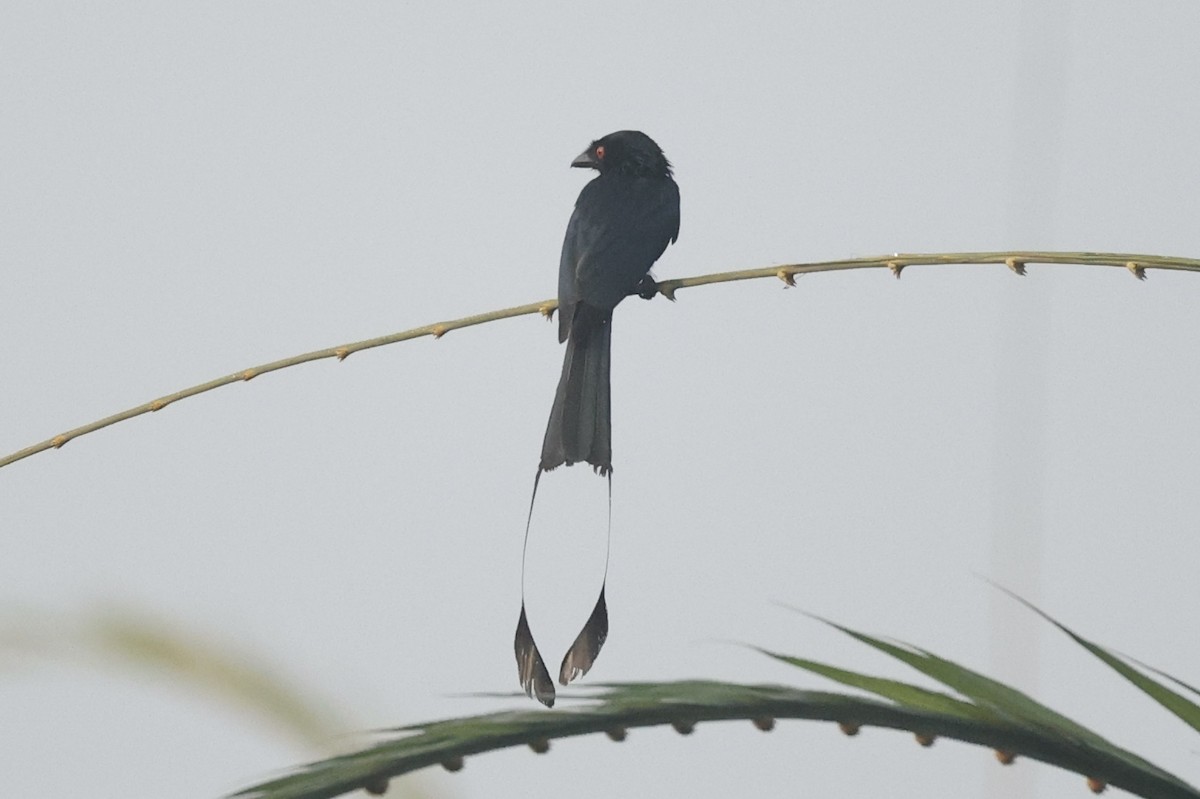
{"points": [[531, 668], [580, 428]]}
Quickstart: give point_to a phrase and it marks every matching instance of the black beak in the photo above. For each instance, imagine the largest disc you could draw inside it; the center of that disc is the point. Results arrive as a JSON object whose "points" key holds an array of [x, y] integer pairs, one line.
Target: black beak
{"points": [[586, 159]]}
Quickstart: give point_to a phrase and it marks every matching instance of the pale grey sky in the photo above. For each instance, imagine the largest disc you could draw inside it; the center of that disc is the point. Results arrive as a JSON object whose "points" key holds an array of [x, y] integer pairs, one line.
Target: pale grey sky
{"points": [[191, 190]]}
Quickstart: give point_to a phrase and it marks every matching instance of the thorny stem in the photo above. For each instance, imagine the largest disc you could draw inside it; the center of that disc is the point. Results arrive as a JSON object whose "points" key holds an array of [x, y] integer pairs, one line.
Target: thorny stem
{"points": [[1015, 260]]}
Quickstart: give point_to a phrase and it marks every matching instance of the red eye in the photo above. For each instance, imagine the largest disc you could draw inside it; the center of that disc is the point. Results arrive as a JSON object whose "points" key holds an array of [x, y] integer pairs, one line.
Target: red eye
{"points": [[600, 152]]}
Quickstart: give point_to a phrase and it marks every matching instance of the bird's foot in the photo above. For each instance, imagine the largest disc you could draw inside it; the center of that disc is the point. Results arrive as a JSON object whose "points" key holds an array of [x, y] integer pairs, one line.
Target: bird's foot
{"points": [[647, 288]]}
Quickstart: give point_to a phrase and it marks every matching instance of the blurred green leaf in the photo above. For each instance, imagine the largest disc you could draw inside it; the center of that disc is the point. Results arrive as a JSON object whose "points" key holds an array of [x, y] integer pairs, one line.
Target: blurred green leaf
{"points": [[134, 639]]}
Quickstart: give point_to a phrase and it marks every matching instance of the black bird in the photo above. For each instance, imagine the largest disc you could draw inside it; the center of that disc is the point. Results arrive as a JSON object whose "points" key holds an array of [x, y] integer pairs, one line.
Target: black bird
{"points": [[623, 221]]}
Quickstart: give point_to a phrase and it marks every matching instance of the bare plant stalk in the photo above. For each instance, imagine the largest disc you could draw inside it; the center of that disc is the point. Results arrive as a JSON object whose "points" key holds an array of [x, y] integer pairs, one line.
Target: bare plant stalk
{"points": [[1015, 260]]}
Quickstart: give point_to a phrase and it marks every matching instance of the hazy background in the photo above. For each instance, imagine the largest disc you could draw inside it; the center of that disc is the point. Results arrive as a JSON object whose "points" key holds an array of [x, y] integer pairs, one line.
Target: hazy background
{"points": [[187, 190]]}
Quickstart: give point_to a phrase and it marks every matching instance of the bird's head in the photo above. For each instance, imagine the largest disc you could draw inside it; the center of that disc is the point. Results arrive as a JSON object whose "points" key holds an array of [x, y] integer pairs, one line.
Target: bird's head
{"points": [[626, 152]]}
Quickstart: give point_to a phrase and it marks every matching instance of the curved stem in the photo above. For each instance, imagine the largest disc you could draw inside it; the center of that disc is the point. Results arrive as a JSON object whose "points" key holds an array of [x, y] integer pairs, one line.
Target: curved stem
{"points": [[683, 705], [1015, 260]]}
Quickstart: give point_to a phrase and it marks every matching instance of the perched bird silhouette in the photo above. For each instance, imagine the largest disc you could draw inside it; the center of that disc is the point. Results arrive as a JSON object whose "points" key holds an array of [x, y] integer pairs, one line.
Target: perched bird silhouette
{"points": [[623, 221]]}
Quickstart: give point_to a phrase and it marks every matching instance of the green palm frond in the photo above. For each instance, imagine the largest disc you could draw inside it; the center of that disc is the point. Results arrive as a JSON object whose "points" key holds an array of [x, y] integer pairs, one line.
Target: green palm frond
{"points": [[1178, 704], [984, 712]]}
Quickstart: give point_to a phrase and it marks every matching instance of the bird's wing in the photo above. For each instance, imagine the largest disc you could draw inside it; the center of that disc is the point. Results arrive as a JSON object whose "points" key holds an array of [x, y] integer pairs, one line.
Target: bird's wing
{"points": [[620, 227]]}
